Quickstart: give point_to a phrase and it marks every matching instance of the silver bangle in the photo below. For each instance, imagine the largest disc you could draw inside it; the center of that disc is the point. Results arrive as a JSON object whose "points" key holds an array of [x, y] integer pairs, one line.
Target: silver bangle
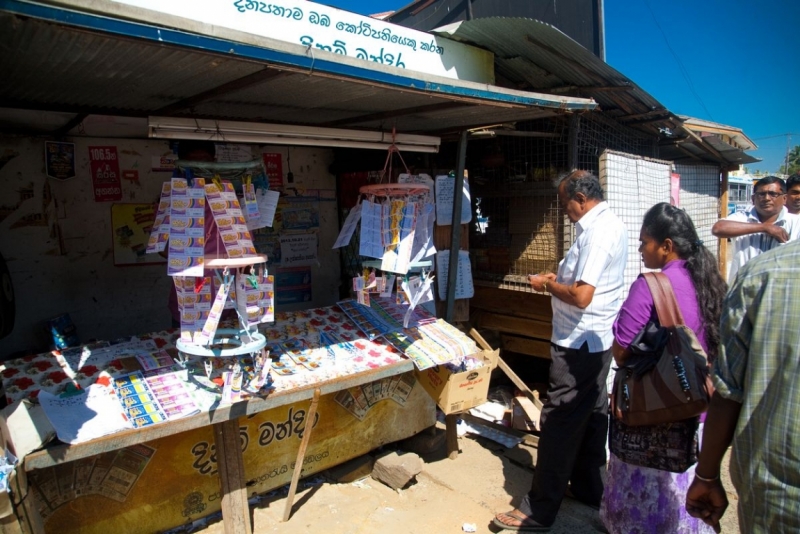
{"points": [[704, 479]]}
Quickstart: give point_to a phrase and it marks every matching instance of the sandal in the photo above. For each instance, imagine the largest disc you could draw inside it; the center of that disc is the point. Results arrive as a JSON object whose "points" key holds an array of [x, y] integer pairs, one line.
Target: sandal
{"points": [[526, 524]]}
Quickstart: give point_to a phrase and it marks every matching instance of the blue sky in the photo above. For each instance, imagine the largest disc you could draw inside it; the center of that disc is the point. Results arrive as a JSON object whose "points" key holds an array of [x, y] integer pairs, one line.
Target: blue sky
{"points": [[741, 57]]}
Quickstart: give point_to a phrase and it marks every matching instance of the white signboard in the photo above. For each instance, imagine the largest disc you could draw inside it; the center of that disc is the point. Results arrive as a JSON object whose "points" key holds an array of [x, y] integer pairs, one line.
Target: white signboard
{"points": [[298, 249], [320, 27]]}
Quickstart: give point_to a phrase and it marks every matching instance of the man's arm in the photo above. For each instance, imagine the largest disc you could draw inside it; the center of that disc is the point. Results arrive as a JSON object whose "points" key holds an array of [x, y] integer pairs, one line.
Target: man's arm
{"points": [[728, 229], [579, 294], [706, 498]]}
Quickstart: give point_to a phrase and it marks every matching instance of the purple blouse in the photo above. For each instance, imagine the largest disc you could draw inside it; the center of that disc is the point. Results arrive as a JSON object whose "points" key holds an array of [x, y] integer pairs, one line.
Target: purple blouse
{"points": [[639, 308]]}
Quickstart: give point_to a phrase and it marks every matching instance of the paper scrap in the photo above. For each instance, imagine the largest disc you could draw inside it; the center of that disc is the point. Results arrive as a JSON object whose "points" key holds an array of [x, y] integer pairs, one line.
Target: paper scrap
{"points": [[85, 416]]}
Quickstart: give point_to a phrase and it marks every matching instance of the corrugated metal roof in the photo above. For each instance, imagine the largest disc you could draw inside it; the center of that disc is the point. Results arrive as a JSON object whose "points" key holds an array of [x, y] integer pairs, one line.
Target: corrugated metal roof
{"points": [[51, 65], [62, 60], [537, 56]]}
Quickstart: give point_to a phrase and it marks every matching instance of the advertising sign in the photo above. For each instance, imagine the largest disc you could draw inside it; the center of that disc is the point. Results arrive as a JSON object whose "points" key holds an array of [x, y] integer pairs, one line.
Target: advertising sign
{"points": [[104, 165], [59, 160], [274, 166], [319, 27]]}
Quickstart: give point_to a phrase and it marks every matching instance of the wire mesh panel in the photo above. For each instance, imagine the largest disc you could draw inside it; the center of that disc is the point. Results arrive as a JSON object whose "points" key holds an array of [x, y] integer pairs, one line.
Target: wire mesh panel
{"points": [[597, 134], [517, 226], [520, 227], [700, 198], [632, 185]]}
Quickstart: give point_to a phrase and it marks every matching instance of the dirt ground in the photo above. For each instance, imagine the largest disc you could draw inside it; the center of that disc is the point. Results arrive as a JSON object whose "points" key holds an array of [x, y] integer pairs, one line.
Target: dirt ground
{"points": [[448, 494]]}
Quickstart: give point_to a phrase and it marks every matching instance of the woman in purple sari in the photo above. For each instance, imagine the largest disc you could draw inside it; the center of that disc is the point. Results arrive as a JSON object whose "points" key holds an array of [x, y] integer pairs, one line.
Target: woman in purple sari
{"points": [[646, 500]]}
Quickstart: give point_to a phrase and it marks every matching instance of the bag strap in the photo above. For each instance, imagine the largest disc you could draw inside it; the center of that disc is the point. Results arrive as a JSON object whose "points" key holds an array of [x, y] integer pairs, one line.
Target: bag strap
{"points": [[669, 314]]}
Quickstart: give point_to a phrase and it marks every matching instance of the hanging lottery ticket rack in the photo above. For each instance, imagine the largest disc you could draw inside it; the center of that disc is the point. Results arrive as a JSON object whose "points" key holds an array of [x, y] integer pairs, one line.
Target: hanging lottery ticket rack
{"points": [[389, 213], [396, 230], [214, 266]]}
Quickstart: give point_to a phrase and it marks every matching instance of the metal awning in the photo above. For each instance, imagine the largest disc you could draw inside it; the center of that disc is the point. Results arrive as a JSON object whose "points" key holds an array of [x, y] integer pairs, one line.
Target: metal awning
{"points": [[63, 60], [534, 55]]}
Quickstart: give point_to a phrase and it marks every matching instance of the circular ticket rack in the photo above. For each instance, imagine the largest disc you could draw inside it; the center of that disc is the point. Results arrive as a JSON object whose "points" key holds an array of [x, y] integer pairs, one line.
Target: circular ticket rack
{"points": [[228, 342]]}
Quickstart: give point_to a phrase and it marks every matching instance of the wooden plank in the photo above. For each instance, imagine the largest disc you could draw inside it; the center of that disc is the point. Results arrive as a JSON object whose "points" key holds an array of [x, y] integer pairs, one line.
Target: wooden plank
{"points": [[530, 347], [230, 463], [534, 398], [515, 325], [517, 303], [301, 454]]}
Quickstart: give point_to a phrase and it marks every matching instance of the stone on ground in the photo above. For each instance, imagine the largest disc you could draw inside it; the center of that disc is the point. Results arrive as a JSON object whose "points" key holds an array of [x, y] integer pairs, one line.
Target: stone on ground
{"points": [[397, 470]]}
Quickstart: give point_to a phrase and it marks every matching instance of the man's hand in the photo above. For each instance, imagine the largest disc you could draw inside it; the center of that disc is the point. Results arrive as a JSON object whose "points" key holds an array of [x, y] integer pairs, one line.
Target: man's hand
{"points": [[537, 282], [778, 232], [707, 501]]}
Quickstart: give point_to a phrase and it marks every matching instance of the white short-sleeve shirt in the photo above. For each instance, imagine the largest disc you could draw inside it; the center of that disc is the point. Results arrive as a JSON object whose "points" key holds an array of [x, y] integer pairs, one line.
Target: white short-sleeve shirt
{"points": [[747, 247], [597, 257]]}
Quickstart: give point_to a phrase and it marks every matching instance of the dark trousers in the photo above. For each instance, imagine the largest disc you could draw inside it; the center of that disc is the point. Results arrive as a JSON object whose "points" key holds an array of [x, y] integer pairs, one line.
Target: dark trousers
{"points": [[574, 430]]}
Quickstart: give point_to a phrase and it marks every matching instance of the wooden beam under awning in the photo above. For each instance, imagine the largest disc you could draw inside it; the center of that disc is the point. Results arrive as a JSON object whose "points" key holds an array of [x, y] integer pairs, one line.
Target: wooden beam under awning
{"points": [[705, 146]]}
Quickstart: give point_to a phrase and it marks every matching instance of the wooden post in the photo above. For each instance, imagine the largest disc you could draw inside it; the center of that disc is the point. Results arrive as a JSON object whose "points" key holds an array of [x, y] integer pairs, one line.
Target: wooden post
{"points": [[455, 241], [451, 435], [235, 510], [30, 521], [723, 212], [301, 453]]}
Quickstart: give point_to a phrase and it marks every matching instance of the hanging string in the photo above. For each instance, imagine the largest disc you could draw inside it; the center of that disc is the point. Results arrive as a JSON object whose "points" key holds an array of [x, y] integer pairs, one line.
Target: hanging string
{"points": [[388, 164]]}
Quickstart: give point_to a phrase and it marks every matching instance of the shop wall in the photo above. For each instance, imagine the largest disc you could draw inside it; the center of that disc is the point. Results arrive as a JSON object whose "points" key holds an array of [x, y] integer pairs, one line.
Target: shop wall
{"points": [[57, 241]]}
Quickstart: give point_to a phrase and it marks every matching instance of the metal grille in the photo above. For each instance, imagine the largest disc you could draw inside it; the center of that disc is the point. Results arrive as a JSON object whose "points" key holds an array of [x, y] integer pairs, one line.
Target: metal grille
{"points": [[517, 226], [597, 134], [700, 198]]}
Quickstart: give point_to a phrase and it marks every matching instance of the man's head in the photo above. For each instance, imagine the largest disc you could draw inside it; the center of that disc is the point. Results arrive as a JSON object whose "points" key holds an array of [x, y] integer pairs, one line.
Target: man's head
{"points": [[578, 191], [769, 196], [793, 193]]}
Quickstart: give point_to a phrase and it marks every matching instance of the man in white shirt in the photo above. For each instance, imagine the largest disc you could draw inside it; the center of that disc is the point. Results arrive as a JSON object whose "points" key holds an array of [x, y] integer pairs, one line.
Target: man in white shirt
{"points": [[766, 225], [586, 296]]}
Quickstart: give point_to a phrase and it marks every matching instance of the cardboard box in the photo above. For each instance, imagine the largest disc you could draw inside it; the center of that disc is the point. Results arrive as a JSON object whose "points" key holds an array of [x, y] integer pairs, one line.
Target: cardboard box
{"points": [[457, 392], [524, 415]]}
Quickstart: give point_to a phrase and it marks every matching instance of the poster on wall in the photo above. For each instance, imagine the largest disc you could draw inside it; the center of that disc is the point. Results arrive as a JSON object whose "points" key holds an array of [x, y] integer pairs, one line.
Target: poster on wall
{"points": [[274, 166], [298, 249], [104, 165], [59, 160], [163, 163], [130, 226], [232, 153]]}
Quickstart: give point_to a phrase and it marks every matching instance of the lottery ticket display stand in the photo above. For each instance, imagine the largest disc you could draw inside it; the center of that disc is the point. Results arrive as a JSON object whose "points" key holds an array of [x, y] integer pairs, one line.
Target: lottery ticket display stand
{"points": [[165, 475], [170, 427]]}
